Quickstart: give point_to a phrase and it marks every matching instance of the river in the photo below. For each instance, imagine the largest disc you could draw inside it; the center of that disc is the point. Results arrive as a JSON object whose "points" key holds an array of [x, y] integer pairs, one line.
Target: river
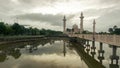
{"points": [[54, 53]]}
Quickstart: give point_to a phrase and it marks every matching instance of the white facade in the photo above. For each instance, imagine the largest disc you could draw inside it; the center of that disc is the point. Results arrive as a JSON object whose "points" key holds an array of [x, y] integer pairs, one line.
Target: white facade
{"points": [[75, 28]]}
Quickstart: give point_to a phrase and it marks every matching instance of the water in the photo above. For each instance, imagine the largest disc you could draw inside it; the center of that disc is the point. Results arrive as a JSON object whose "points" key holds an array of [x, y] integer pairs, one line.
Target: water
{"points": [[52, 53], [108, 51]]}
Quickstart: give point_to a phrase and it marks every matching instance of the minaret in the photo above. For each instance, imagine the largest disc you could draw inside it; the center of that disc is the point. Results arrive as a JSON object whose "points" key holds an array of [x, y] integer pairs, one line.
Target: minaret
{"points": [[81, 22], [64, 25], [94, 30]]}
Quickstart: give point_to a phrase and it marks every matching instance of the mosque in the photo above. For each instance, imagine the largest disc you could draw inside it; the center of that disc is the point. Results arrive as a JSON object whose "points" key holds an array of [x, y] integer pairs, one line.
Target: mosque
{"points": [[75, 28]]}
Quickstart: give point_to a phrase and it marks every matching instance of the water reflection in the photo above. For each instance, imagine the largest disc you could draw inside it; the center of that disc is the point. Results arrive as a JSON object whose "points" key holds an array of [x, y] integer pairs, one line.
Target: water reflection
{"points": [[93, 53], [87, 46], [13, 49], [31, 48], [101, 53], [40, 54], [9, 51], [3, 56], [113, 57], [58, 53], [90, 61], [64, 48]]}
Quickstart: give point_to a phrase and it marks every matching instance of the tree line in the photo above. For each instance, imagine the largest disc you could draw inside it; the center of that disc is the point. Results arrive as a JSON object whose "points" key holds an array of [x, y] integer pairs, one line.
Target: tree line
{"points": [[17, 29], [114, 30]]}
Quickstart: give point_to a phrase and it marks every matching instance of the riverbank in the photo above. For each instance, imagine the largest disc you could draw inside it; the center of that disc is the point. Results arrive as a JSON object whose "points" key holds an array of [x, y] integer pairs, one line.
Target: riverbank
{"points": [[14, 39]]}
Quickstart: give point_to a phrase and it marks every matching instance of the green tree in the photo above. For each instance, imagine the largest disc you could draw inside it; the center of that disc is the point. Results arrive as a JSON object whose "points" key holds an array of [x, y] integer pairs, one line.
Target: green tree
{"points": [[111, 30], [18, 29], [114, 27], [114, 30], [42, 32], [9, 30], [117, 31], [2, 28]]}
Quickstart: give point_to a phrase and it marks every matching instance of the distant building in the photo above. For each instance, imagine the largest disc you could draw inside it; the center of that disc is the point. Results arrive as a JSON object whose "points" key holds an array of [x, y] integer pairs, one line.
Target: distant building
{"points": [[75, 28]]}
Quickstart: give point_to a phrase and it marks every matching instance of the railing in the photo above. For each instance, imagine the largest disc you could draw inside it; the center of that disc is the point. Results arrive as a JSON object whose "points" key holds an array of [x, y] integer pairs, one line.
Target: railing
{"points": [[109, 39]]}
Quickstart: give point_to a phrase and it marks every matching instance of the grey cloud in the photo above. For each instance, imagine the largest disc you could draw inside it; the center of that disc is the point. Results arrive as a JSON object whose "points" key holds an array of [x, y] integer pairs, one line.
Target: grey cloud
{"points": [[108, 20], [98, 12], [33, 2], [55, 20], [110, 17], [9, 7], [107, 17], [41, 2], [5, 7], [109, 1], [30, 1]]}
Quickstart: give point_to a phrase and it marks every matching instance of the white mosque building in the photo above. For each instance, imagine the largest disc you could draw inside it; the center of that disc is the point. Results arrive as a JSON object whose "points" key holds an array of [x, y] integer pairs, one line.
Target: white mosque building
{"points": [[75, 28]]}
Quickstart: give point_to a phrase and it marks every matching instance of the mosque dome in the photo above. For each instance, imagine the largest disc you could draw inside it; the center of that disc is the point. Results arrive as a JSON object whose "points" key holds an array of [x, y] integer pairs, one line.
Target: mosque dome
{"points": [[75, 26]]}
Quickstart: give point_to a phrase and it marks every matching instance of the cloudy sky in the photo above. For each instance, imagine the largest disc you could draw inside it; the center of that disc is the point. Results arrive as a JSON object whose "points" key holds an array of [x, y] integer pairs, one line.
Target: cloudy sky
{"points": [[49, 13]]}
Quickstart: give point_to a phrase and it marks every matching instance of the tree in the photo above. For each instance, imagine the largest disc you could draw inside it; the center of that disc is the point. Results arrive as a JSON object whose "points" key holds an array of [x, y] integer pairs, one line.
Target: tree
{"points": [[114, 30], [9, 30], [22, 30], [114, 27], [18, 29], [2, 28], [36, 31], [111, 30], [30, 31], [42, 32], [117, 31]]}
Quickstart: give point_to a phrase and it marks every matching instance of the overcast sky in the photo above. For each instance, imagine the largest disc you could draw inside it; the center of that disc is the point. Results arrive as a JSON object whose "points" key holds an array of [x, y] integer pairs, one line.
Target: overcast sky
{"points": [[49, 13]]}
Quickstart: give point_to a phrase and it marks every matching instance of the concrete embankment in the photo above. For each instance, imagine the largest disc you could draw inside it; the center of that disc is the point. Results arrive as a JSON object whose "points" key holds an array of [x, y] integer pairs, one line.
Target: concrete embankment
{"points": [[14, 39]]}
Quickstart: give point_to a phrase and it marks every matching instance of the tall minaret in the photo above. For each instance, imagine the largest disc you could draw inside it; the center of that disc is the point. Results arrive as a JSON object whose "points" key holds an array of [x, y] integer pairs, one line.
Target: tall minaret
{"points": [[64, 25], [81, 23], [94, 29]]}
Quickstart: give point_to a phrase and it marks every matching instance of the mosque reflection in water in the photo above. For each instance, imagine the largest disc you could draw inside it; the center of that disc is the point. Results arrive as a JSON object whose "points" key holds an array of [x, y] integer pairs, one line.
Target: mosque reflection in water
{"points": [[91, 55]]}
